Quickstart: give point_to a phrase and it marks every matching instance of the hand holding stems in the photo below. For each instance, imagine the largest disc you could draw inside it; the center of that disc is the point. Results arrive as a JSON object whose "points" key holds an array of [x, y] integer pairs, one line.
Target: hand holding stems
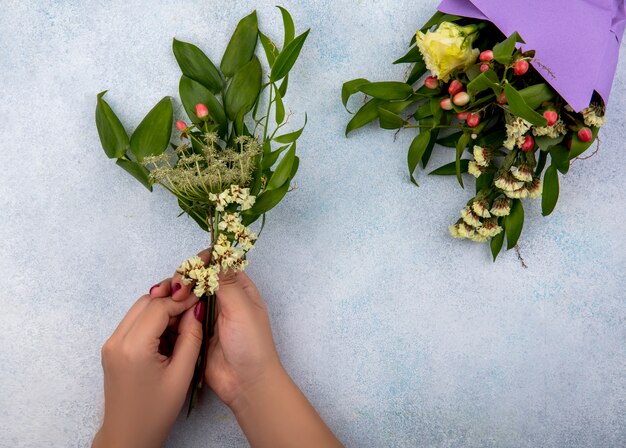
{"points": [[145, 383], [245, 372]]}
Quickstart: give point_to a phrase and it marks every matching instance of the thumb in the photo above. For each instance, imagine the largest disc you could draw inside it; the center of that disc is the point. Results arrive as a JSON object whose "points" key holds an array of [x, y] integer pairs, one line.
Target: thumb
{"points": [[231, 295], [188, 344]]}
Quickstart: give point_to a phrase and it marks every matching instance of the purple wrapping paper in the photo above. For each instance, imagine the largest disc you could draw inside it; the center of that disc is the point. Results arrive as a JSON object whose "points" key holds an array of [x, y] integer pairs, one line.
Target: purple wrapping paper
{"points": [[576, 41]]}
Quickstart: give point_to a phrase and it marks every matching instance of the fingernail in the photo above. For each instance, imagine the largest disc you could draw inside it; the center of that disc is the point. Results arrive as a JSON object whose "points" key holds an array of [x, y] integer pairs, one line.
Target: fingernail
{"points": [[155, 286], [198, 311], [175, 288]]}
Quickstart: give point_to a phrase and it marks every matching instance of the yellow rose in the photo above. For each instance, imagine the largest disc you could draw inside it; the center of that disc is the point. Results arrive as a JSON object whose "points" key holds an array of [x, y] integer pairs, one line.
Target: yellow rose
{"points": [[447, 49]]}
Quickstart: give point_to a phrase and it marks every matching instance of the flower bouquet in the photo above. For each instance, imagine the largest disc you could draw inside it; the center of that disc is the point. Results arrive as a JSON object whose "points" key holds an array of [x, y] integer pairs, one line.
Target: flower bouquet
{"points": [[521, 107], [223, 168]]}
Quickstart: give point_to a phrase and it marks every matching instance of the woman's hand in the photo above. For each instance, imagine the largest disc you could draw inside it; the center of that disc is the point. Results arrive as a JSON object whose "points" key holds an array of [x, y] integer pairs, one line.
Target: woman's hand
{"points": [[244, 370], [148, 363]]}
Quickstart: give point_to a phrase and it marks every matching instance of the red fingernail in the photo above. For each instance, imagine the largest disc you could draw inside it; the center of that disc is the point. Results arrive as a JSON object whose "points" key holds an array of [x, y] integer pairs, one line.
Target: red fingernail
{"points": [[175, 288], [155, 286], [198, 311]]}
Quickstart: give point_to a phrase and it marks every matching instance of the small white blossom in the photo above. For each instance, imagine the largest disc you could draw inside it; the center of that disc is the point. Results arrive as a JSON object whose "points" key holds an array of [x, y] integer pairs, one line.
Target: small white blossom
{"points": [[523, 173], [516, 127], [506, 182], [501, 207], [470, 218], [535, 188], [520, 193], [474, 169], [593, 115], [482, 156]]}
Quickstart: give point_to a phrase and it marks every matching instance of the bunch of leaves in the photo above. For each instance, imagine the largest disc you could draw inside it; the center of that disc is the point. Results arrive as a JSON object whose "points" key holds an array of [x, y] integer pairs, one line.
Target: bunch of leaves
{"points": [[410, 104], [233, 95]]}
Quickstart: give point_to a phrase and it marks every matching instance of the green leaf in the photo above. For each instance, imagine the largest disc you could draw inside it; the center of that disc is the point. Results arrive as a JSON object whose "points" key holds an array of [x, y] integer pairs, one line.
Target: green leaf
{"points": [[290, 29], [350, 88], [287, 57], [280, 108], [486, 80], [416, 151], [243, 89], [493, 139], [396, 106], [434, 133], [268, 200], [496, 244], [578, 146], [387, 90], [484, 181], [423, 111], [413, 55], [197, 66], [294, 168], [283, 86], [438, 18], [550, 193], [537, 94], [460, 148], [271, 52], [112, 134], [449, 169], [560, 158], [518, 107], [292, 136], [416, 73], [192, 93], [389, 120], [136, 170], [186, 206], [240, 49], [503, 51], [450, 141], [270, 158], [545, 142], [514, 223], [366, 114], [283, 170], [152, 136]]}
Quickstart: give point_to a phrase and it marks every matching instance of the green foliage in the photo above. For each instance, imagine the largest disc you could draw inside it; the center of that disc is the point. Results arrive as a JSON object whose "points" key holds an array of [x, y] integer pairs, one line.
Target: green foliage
{"points": [[152, 136], [113, 137]]}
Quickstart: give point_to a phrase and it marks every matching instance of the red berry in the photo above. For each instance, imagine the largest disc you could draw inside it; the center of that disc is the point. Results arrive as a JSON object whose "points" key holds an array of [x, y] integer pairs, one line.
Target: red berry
{"points": [[486, 55], [473, 120], [520, 67], [431, 82], [529, 143], [201, 111], [462, 116], [446, 104], [181, 125], [461, 99], [585, 134], [551, 116], [501, 98], [455, 87], [484, 67]]}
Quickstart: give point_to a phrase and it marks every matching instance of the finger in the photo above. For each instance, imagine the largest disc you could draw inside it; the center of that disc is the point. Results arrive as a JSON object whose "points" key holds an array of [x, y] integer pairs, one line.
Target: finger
{"points": [[231, 295], [188, 344], [180, 291], [131, 316], [161, 289], [251, 290], [153, 321]]}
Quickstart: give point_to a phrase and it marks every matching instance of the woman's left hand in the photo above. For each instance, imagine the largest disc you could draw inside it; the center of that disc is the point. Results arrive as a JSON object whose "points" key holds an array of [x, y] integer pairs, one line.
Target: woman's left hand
{"points": [[145, 381]]}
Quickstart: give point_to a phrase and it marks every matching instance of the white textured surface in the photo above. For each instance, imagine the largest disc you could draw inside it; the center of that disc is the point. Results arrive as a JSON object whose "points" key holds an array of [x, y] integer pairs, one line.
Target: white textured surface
{"points": [[400, 335]]}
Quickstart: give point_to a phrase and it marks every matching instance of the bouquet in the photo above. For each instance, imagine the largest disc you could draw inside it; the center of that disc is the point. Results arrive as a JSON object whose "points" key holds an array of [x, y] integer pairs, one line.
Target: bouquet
{"points": [[515, 116], [223, 166]]}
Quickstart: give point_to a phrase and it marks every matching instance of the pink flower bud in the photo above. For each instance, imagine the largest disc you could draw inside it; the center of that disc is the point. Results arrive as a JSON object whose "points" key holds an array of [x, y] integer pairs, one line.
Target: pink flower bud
{"points": [[461, 99], [181, 125], [473, 120], [431, 82], [551, 116], [585, 134], [484, 67], [201, 111], [455, 87], [486, 55], [446, 104], [529, 143], [462, 116], [520, 67], [501, 98]]}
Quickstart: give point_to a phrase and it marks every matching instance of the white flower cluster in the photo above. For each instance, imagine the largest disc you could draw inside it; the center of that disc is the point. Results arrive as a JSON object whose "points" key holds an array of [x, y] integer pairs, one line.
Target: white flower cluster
{"points": [[593, 115], [554, 131], [476, 223], [482, 159], [519, 183], [516, 129], [231, 245]]}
